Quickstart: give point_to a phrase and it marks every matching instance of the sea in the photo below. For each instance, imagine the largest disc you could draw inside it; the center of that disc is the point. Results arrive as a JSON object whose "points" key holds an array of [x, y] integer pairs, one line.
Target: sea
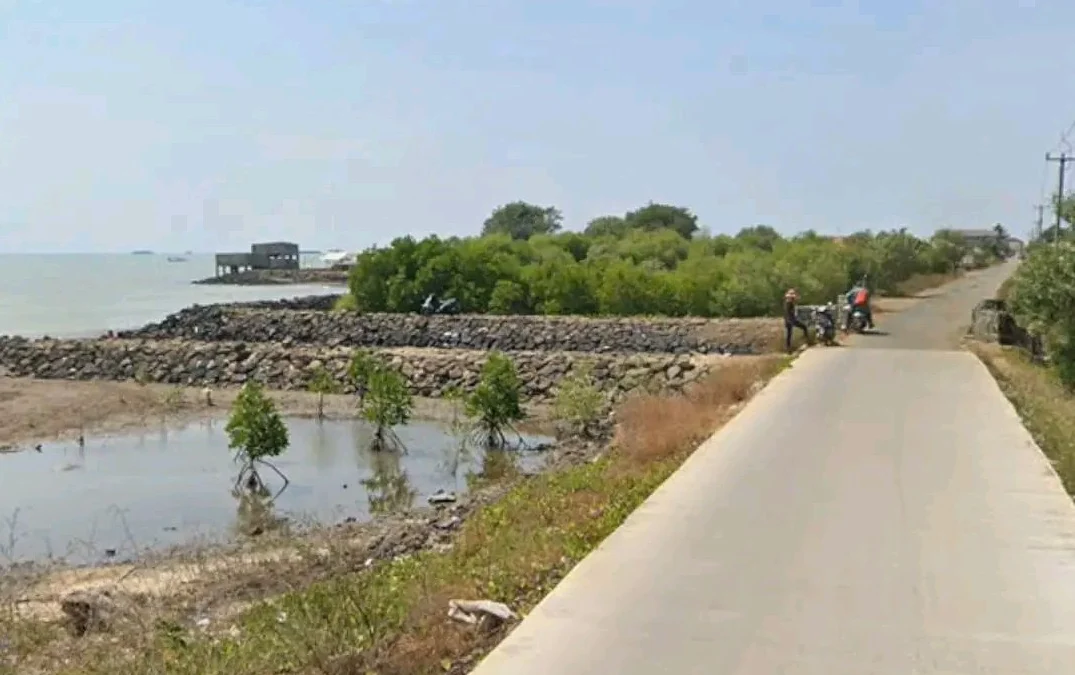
{"points": [[85, 295]]}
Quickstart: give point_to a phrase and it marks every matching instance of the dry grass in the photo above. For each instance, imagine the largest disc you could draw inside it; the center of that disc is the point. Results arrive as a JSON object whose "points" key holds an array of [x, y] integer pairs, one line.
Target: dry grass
{"points": [[656, 427], [1047, 408], [390, 618]]}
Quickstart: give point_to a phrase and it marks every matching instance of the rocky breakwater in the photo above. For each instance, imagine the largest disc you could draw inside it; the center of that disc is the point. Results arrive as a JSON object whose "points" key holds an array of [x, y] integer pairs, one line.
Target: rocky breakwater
{"points": [[429, 372], [218, 323], [279, 277]]}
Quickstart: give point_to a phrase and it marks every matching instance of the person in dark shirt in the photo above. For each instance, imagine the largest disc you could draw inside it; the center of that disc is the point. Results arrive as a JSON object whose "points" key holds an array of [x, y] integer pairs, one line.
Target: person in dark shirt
{"points": [[791, 318]]}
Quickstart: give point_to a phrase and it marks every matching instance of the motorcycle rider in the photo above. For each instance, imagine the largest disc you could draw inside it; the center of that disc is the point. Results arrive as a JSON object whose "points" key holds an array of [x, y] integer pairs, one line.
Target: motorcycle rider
{"points": [[859, 298], [791, 318]]}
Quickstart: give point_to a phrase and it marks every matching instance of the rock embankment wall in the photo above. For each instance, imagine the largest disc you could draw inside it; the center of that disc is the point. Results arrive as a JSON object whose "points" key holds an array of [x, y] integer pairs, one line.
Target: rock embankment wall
{"points": [[222, 323], [316, 303], [428, 372], [992, 322], [279, 277]]}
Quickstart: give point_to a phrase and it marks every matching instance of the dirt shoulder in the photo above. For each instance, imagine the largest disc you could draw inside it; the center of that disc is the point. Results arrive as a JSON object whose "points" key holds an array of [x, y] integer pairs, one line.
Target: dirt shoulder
{"points": [[36, 411]]}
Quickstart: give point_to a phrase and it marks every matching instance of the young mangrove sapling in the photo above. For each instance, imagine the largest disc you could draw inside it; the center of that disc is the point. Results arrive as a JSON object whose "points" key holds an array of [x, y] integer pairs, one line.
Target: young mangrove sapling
{"points": [[363, 364], [322, 383], [388, 403], [256, 433], [495, 403]]}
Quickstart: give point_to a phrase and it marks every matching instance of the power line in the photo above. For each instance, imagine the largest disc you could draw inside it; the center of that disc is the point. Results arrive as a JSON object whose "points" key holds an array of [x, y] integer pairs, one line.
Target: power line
{"points": [[1064, 143], [1062, 159]]}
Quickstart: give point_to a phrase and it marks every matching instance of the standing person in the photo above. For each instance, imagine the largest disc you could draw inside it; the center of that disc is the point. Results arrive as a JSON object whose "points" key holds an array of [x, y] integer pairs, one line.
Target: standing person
{"points": [[791, 318]]}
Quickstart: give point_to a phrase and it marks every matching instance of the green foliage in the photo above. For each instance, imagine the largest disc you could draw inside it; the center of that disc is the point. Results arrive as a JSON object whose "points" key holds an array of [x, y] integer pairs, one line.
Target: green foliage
{"points": [[388, 403], [255, 429], [321, 383], [663, 217], [655, 260], [579, 403], [345, 303], [1066, 207], [1042, 296], [495, 404], [520, 220], [363, 364]]}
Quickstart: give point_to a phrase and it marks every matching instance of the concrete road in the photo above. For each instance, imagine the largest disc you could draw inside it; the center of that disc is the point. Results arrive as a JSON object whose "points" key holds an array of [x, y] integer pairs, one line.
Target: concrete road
{"points": [[874, 511], [940, 319]]}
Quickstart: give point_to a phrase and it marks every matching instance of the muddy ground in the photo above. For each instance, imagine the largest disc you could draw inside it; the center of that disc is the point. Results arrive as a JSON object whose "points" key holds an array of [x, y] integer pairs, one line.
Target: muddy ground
{"points": [[36, 411]]}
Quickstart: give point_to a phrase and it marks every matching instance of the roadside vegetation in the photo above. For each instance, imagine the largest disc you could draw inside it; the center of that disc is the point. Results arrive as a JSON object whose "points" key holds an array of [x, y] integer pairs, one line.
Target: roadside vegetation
{"points": [[1045, 403], [656, 260], [1041, 297], [390, 617]]}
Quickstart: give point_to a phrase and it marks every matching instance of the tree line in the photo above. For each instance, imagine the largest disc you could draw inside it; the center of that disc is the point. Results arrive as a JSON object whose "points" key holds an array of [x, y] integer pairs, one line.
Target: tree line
{"points": [[655, 260]]}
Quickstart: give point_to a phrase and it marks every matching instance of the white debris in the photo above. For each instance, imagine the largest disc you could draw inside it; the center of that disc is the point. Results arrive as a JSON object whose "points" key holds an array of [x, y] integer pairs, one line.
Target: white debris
{"points": [[472, 611]]}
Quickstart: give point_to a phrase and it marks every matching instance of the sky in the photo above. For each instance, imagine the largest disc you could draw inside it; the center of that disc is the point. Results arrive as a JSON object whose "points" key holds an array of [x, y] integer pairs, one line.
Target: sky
{"points": [[208, 125]]}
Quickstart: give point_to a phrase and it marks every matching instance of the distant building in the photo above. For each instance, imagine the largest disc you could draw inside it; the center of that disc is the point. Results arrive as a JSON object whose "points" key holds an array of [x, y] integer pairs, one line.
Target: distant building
{"points": [[978, 238], [276, 255]]}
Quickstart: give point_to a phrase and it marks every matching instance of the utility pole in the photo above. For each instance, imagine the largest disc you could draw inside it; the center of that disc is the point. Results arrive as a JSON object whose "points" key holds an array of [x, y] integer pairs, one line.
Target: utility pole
{"points": [[1040, 222], [1063, 160]]}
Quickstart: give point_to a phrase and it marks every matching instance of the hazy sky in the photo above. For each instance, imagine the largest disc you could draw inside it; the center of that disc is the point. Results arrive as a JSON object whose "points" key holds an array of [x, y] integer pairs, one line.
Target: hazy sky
{"points": [[206, 125]]}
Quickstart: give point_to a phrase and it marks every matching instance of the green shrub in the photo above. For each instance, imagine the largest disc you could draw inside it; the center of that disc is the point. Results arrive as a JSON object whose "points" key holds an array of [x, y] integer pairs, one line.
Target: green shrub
{"points": [[656, 260], [495, 405], [345, 303], [579, 404], [256, 432], [388, 403], [1042, 297]]}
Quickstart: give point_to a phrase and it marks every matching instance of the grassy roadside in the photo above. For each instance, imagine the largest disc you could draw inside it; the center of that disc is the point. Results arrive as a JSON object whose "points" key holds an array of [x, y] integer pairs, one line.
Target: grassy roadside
{"points": [[391, 618], [1047, 409]]}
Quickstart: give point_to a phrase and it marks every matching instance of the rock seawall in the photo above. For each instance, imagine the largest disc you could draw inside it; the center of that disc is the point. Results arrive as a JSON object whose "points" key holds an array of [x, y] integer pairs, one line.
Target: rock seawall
{"points": [[317, 303], [220, 323], [428, 372], [279, 277]]}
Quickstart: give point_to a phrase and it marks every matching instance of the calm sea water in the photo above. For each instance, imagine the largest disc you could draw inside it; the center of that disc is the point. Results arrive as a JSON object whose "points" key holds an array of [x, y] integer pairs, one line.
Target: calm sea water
{"points": [[82, 295]]}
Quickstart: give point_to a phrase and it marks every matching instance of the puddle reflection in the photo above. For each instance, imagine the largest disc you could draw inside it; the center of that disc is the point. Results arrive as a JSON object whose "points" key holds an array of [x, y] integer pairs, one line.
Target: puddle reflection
{"points": [[118, 496]]}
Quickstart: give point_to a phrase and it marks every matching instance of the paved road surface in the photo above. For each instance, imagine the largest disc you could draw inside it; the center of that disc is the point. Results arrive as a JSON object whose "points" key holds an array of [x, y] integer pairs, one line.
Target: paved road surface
{"points": [[874, 511], [939, 320]]}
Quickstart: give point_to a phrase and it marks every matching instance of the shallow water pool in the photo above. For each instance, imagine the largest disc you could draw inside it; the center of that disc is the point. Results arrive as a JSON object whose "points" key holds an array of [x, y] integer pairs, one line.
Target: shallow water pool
{"points": [[120, 496]]}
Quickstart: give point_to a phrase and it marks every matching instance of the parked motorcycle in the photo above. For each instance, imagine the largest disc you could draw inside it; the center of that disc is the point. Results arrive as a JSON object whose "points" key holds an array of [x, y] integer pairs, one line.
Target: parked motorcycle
{"points": [[858, 322], [431, 306], [824, 322]]}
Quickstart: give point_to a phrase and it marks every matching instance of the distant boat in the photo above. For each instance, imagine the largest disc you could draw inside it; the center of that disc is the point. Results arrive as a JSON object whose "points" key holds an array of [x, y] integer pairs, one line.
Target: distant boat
{"points": [[176, 258], [141, 252]]}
